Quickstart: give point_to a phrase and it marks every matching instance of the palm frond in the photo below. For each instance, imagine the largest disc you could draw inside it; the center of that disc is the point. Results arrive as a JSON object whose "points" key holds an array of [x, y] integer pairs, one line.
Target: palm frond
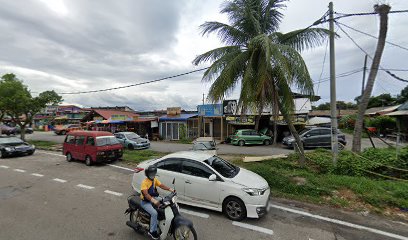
{"points": [[302, 39], [215, 54], [227, 34]]}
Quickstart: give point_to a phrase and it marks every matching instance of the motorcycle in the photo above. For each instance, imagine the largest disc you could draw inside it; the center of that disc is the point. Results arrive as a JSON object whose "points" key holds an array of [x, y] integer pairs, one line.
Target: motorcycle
{"points": [[170, 221]]}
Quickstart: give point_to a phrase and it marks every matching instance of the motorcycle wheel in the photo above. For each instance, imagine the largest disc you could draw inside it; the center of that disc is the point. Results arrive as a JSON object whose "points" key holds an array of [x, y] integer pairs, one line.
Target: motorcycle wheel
{"points": [[185, 232], [133, 216]]}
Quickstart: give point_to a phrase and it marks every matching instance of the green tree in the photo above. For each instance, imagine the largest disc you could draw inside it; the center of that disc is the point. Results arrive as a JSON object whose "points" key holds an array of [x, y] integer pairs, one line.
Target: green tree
{"points": [[16, 101], [403, 96], [264, 62]]}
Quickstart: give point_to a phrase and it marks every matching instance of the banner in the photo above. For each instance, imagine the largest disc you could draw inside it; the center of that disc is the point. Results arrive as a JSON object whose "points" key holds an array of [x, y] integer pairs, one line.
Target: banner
{"points": [[119, 118], [229, 107], [210, 110], [172, 111], [245, 120]]}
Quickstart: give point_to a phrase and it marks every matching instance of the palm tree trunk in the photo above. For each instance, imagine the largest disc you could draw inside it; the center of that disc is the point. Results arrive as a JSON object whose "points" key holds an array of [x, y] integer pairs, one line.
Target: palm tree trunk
{"points": [[275, 112], [383, 11]]}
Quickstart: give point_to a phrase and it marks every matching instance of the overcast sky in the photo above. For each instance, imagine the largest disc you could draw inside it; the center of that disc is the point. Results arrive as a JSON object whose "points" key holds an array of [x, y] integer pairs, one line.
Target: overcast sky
{"points": [[75, 45]]}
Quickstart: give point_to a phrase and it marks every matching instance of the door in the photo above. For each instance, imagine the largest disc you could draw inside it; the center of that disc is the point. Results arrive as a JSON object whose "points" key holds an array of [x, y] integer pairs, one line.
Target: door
{"points": [[246, 135], [168, 170], [256, 137], [121, 138], [325, 138], [198, 189], [79, 148], [311, 138], [90, 148]]}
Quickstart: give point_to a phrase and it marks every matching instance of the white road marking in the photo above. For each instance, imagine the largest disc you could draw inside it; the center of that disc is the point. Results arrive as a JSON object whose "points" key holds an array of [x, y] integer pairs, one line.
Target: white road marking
{"points": [[59, 155], [19, 170], [124, 168], [197, 214], [59, 180], [3, 166], [113, 193], [253, 227], [37, 174], [347, 224], [85, 186]]}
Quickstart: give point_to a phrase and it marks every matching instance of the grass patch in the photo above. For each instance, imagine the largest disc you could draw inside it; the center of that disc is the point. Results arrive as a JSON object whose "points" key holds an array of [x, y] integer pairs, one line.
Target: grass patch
{"points": [[341, 186], [137, 156], [47, 145]]}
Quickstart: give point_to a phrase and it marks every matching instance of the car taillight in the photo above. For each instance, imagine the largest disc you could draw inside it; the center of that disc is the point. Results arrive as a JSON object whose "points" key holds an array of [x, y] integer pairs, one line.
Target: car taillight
{"points": [[235, 136], [138, 169]]}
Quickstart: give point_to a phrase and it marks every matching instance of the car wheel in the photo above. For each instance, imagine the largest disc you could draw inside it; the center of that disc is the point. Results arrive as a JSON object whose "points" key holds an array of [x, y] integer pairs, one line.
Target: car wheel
{"points": [[267, 142], [88, 160], [69, 157], [1, 154], [241, 143], [131, 147], [234, 209]]}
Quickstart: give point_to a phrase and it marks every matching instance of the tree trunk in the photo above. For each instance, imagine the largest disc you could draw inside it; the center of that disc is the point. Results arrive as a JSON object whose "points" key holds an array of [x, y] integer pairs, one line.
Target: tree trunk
{"points": [[275, 112], [299, 144], [22, 133], [383, 11]]}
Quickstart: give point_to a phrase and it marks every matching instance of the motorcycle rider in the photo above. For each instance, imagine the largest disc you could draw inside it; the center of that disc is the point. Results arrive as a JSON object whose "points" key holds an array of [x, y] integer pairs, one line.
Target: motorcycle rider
{"points": [[150, 196]]}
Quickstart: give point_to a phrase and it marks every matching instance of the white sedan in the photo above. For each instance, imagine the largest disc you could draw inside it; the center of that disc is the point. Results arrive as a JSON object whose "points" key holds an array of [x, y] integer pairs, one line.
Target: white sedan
{"points": [[208, 181]]}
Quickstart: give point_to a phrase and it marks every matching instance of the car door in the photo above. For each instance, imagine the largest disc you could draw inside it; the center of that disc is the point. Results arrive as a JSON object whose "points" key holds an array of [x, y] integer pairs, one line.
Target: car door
{"points": [[246, 135], [169, 169], [311, 138], [198, 189], [121, 138], [324, 137], [256, 137], [80, 148]]}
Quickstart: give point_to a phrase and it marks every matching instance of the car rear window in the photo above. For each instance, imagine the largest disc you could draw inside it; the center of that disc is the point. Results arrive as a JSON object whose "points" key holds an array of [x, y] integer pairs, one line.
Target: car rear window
{"points": [[106, 140]]}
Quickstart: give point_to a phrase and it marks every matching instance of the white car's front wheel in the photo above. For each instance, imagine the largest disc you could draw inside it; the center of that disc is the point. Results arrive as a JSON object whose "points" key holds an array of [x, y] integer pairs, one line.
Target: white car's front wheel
{"points": [[234, 209]]}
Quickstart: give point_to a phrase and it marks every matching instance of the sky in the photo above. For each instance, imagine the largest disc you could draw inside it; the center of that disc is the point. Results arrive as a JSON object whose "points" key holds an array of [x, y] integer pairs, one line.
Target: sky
{"points": [[81, 45]]}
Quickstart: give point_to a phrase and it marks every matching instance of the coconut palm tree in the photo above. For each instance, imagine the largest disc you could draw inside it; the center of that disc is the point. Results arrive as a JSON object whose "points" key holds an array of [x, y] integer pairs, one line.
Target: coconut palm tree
{"points": [[262, 61]]}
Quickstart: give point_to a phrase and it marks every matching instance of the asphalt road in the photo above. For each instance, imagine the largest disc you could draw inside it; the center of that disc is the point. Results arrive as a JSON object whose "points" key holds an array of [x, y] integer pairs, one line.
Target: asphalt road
{"points": [[44, 197], [223, 149]]}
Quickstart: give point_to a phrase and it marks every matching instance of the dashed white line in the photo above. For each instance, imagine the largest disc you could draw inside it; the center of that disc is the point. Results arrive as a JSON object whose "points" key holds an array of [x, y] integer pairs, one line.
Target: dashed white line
{"points": [[113, 193], [85, 186], [3, 166], [124, 168], [197, 214], [19, 170], [253, 227], [59, 180], [37, 174], [347, 224]]}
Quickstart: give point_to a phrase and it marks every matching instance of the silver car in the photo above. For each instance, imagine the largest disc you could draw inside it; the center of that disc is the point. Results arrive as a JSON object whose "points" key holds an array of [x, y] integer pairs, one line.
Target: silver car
{"points": [[132, 141]]}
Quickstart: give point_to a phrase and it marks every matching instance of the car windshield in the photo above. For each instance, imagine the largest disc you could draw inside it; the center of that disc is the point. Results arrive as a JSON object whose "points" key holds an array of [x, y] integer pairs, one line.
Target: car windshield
{"points": [[10, 140], [132, 136], [106, 140], [304, 131], [204, 146], [223, 167]]}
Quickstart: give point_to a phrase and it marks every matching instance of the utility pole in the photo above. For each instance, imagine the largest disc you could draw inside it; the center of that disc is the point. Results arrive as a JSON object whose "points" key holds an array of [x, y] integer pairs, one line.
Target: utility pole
{"points": [[333, 108], [364, 75]]}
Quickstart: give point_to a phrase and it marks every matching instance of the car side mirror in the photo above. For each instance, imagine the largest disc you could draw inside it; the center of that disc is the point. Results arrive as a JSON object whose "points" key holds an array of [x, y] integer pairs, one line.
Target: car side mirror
{"points": [[212, 178]]}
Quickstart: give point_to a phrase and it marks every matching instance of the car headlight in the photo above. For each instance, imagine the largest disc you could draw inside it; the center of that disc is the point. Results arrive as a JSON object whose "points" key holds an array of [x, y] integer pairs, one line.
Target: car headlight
{"points": [[253, 191], [291, 140], [33, 146], [9, 149]]}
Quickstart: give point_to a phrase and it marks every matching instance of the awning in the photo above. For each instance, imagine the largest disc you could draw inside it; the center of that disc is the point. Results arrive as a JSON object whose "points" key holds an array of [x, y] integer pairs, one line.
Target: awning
{"points": [[61, 118], [181, 117], [116, 121]]}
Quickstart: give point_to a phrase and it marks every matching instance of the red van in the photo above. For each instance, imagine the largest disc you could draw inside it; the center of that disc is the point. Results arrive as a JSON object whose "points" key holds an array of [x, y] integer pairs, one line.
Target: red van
{"points": [[92, 146]]}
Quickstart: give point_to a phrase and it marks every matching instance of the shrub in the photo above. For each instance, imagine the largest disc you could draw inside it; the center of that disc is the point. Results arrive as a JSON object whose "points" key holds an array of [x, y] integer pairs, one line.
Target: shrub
{"points": [[382, 123], [347, 122]]}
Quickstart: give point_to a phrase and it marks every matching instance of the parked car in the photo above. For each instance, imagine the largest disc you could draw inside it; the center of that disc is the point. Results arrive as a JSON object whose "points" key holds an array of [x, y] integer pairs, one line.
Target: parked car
{"points": [[7, 130], [132, 141], [205, 144], [316, 137], [249, 137], [28, 130], [64, 129], [91, 147], [12, 146], [208, 181]]}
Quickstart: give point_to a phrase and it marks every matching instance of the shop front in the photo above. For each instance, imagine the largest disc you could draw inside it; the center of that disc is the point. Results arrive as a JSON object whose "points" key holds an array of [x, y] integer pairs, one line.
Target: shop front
{"points": [[176, 125]]}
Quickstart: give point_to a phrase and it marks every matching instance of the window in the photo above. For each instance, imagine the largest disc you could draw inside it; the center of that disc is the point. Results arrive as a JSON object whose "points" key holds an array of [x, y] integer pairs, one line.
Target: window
{"points": [[90, 141], [170, 164], [313, 133], [325, 131], [255, 133], [223, 167], [70, 139], [106, 140], [246, 133], [80, 140], [196, 169]]}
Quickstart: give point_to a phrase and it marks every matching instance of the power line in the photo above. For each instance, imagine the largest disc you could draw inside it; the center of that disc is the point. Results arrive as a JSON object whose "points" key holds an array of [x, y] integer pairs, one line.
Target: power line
{"points": [[344, 15], [133, 85], [381, 68], [341, 75], [367, 34]]}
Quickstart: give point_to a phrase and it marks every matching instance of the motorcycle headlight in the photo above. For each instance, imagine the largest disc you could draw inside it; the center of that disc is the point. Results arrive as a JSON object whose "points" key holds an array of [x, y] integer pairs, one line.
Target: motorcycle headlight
{"points": [[9, 149], [174, 199], [253, 191]]}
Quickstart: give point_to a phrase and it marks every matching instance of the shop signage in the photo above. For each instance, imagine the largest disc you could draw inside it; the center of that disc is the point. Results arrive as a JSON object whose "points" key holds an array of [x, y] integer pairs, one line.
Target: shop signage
{"points": [[172, 111], [118, 117], [210, 110], [230, 107], [241, 120], [97, 118]]}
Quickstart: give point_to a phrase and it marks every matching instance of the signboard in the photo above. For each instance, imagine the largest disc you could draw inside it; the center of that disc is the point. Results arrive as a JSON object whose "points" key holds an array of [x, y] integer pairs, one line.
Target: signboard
{"points": [[115, 117], [97, 118], [154, 124], [230, 107], [172, 111], [241, 120], [210, 110]]}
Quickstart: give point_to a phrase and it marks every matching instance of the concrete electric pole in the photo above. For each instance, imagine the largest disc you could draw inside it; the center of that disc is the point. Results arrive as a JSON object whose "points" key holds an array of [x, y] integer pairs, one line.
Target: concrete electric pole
{"points": [[333, 108]]}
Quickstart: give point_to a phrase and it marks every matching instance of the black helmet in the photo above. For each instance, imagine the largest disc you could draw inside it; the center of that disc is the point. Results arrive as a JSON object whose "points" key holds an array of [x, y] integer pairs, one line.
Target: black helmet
{"points": [[151, 172]]}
